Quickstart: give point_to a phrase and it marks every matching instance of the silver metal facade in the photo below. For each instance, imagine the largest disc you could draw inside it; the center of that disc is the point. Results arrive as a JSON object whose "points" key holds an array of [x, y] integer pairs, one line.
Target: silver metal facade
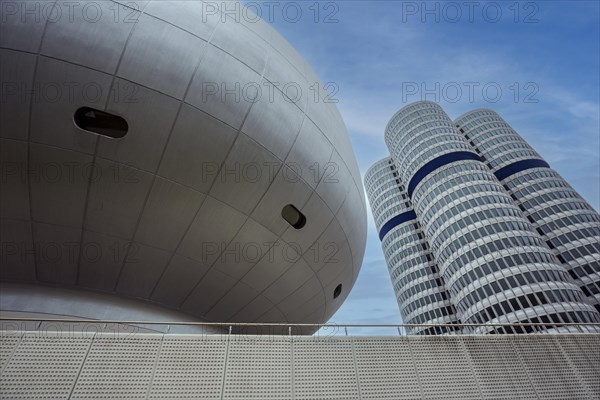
{"points": [[421, 294], [151, 366], [568, 224], [184, 211], [494, 264]]}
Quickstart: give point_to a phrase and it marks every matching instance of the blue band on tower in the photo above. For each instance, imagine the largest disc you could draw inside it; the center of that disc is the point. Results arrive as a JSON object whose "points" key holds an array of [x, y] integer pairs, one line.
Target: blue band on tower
{"points": [[437, 163], [519, 166], [394, 222]]}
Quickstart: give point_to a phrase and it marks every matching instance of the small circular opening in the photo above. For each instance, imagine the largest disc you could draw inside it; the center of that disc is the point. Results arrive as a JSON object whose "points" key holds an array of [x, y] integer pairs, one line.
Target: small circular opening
{"points": [[293, 216], [337, 291]]}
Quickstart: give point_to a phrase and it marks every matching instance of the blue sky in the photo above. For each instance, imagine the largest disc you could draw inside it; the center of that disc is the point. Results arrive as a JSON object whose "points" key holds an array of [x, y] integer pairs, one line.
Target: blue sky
{"points": [[535, 63]]}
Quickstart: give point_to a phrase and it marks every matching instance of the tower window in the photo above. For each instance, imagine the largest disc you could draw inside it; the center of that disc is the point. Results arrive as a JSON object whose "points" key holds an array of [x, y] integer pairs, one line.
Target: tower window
{"points": [[101, 122], [293, 216], [540, 231], [337, 291]]}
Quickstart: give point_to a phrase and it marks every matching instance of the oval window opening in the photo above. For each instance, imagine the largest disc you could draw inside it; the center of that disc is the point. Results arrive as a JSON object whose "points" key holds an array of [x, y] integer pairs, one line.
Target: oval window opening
{"points": [[337, 291], [293, 216], [100, 122]]}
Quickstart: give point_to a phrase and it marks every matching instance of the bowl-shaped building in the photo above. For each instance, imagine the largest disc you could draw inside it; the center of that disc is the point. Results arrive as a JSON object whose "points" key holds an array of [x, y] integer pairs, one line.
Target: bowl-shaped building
{"points": [[165, 159]]}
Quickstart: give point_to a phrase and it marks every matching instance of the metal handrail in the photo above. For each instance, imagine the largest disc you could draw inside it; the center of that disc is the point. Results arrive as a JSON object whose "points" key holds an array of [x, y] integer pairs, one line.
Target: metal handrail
{"points": [[271, 324]]}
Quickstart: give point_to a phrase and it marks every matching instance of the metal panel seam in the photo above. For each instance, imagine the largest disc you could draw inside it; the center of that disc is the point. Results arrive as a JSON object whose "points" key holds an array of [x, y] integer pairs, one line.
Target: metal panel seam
{"points": [[162, 339], [29, 119], [12, 353], [414, 364], [164, 150], [225, 364], [573, 368], [470, 361], [524, 366], [355, 369], [237, 135], [82, 365]]}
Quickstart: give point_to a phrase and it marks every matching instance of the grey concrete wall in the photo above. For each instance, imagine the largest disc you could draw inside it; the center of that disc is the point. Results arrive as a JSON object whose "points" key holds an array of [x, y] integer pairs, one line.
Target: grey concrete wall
{"points": [[154, 366]]}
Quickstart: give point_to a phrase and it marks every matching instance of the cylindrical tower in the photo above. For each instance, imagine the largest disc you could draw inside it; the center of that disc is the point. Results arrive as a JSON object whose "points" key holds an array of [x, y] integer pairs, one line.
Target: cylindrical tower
{"points": [[496, 267], [419, 287], [568, 224]]}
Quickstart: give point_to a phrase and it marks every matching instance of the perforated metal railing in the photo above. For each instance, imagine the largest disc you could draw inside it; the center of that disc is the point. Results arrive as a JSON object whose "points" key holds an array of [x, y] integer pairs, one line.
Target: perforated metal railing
{"points": [[60, 360]]}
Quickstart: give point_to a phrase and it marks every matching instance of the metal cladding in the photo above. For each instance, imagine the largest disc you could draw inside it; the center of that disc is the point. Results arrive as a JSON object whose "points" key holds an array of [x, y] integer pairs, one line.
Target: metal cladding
{"points": [[507, 234], [152, 153]]}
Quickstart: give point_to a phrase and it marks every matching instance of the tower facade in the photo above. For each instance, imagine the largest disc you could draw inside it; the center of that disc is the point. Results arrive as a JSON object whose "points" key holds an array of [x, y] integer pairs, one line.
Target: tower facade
{"points": [[418, 284], [492, 261], [567, 223]]}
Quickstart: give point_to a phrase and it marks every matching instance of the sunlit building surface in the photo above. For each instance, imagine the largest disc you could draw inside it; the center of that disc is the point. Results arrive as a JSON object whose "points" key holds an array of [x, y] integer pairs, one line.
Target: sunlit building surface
{"points": [[470, 215], [164, 161]]}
